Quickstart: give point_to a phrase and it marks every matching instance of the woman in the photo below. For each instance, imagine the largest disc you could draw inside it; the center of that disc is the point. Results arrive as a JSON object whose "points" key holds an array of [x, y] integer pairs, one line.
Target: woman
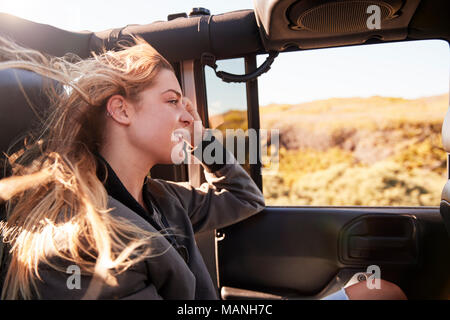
{"points": [[79, 201], [80, 197]]}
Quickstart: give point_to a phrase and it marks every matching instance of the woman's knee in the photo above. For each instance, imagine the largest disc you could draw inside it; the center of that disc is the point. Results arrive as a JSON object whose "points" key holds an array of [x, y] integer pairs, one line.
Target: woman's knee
{"points": [[392, 291], [386, 291]]}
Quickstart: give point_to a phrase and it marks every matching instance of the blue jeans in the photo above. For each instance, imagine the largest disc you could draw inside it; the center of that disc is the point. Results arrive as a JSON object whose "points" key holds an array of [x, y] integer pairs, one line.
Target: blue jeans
{"points": [[338, 295]]}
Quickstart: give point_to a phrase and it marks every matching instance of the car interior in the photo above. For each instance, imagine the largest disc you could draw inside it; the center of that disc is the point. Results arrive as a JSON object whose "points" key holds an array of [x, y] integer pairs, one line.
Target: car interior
{"points": [[298, 252]]}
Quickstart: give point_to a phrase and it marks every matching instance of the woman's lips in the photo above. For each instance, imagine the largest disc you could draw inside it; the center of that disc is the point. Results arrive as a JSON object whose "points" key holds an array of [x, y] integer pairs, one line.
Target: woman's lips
{"points": [[179, 135], [176, 137]]}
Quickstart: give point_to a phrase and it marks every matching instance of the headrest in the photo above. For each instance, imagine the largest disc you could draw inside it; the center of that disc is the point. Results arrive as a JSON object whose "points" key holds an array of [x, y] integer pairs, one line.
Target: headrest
{"points": [[19, 91], [445, 196], [446, 132]]}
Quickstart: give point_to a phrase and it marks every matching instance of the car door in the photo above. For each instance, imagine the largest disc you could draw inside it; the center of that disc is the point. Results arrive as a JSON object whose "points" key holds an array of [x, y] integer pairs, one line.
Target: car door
{"points": [[311, 245]]}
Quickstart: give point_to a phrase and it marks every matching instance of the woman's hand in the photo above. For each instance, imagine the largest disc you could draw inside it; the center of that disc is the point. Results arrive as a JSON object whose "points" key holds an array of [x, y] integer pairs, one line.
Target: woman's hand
{"points": [[196, 128]]}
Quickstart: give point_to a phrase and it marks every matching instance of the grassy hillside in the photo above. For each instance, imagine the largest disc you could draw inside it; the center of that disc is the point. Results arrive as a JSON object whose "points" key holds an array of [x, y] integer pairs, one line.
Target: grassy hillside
{"points": [[354, 151]]}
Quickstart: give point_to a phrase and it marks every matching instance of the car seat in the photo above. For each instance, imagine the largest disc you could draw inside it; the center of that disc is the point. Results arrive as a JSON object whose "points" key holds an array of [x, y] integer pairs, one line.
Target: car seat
{"points": [[22, 104], [445, 198]]}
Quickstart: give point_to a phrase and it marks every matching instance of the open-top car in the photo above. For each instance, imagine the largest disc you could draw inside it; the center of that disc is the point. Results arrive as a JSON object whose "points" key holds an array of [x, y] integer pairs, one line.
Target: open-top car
{"points": [[352, 185]]}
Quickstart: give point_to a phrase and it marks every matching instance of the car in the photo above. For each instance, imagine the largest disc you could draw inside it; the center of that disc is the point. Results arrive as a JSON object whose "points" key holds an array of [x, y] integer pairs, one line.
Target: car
{"points": [[288, 251]]}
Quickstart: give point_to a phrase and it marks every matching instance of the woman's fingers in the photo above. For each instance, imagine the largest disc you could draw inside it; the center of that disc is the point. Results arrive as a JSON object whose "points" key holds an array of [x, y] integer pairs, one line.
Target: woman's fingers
{"points": [[196, 126], [189, 106]]}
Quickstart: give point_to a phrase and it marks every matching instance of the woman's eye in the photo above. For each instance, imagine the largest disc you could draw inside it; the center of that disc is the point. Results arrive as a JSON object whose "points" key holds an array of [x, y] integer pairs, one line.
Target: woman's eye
{"points": [[175, 102]]}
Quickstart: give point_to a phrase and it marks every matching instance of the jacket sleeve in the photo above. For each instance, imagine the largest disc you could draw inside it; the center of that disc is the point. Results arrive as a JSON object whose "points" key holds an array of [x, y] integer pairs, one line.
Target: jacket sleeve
{"points": [[55, 284], [228, 196]]}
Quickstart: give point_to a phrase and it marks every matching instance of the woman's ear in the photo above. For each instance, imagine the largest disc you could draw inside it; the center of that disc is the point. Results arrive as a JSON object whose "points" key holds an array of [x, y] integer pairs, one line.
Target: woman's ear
{"points": [[118, 109]]}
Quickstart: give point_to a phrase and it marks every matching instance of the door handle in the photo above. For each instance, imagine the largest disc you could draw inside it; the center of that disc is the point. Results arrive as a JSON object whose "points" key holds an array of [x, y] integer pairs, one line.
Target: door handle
{"points": [[366, 246], [368, 242], [390, 239]]}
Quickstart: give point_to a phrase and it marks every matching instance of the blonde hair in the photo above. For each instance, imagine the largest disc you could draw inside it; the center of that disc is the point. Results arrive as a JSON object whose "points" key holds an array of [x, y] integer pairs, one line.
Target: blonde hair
{"points": [[54, 192]]}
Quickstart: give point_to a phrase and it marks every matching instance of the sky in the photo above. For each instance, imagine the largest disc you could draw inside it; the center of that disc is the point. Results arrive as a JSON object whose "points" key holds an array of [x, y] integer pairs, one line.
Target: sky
{"points": [[97, 15], [403, 69], [409, 70]]}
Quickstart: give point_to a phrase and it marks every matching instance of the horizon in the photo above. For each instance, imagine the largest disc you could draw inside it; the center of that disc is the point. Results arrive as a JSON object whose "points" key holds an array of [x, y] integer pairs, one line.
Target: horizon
{"points": [[336, 98], [361, 97]]}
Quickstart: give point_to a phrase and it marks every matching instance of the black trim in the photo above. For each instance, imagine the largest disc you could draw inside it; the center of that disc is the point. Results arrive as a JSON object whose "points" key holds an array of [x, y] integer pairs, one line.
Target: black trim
{"points": [[448, 165], [210, 60], [227, 35], [200, 92], [253, 116]]}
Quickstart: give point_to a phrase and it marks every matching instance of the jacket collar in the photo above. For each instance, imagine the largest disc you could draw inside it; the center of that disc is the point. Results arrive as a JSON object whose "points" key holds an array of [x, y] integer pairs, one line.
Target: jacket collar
{"points": [[115, 188]]}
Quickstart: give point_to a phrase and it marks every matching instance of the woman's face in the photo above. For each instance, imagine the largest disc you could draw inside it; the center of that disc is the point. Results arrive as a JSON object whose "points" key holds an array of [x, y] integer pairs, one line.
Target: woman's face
{"points": [[157, 115]]}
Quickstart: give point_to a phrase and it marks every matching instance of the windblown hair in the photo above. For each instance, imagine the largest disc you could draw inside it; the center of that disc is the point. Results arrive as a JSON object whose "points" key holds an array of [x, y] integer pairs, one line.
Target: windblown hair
{"points": [[54, 199]]}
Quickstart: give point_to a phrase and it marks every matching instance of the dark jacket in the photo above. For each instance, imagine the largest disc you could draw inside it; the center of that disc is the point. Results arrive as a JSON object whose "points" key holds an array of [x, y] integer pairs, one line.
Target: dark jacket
{"points": [[228, 196]]}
